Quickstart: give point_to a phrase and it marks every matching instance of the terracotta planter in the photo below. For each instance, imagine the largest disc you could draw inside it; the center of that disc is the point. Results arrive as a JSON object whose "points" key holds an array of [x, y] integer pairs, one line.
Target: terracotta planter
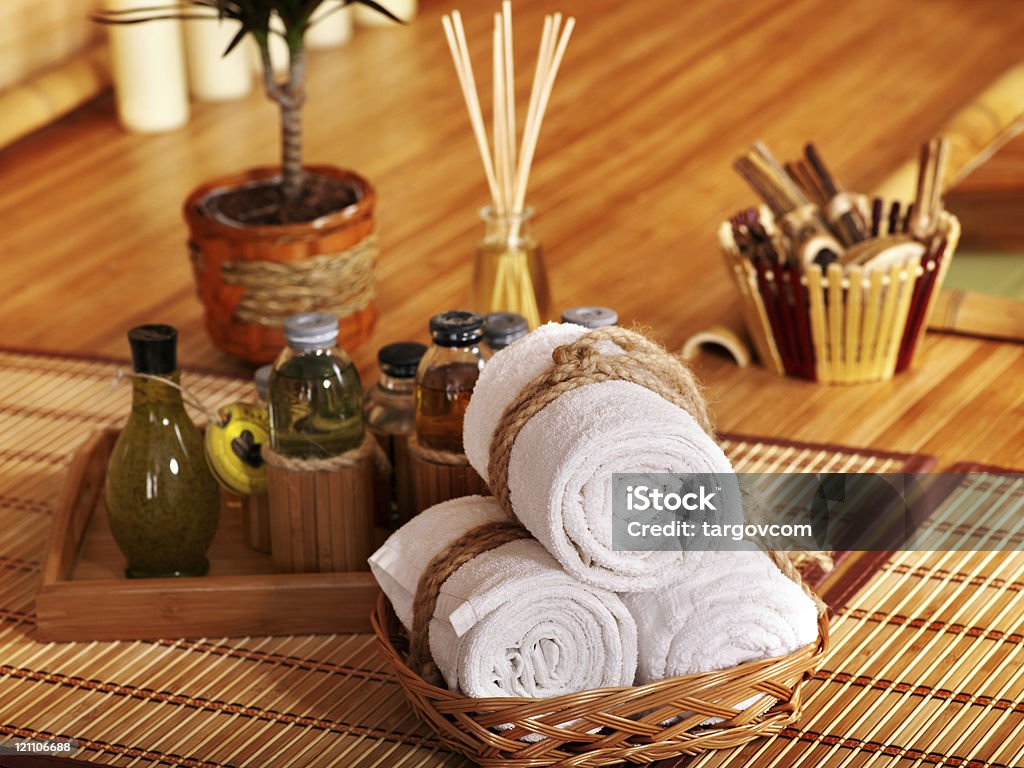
{"points": [[250, 278]]}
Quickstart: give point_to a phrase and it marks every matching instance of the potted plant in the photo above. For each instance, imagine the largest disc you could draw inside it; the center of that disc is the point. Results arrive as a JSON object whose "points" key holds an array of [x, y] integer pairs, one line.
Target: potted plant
{"points": [[270, 242]]}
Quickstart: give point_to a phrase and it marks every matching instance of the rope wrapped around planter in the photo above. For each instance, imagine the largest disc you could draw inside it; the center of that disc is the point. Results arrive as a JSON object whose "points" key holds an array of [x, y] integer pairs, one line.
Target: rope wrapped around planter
{"points": [[339, 283]]}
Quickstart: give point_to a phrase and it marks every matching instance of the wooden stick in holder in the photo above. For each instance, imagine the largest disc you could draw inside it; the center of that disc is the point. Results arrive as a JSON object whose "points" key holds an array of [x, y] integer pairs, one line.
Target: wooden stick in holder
{"points": [[255, 513], [321, 510], [441, 475]]}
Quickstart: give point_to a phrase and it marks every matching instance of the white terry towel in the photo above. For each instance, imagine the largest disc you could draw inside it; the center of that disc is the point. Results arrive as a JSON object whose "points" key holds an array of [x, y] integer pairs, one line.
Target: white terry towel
{"points": [[562, 462], [510, 622], [730, 608]]}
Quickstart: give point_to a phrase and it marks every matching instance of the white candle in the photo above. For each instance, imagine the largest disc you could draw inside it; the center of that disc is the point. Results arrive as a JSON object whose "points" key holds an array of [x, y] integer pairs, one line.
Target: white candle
{"points": [[148, 63], [403, 9], [212, 75], [331, 27]]}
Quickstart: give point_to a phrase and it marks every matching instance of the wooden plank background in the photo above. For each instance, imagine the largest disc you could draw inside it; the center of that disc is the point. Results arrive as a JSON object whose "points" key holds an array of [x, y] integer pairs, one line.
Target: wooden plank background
{"points": [[633, 175]]}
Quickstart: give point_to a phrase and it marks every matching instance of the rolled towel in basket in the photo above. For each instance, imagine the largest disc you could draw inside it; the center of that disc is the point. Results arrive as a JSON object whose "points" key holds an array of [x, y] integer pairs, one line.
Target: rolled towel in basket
{"points": [[729, 608], [509, 622], [563, 459]]}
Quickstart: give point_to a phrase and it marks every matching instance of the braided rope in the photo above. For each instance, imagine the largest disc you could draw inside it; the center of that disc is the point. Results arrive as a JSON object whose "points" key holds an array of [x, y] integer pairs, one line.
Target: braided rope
{"points": [[339, 283], [474, 542], [369, 448], [436, 456], [643, 362]]}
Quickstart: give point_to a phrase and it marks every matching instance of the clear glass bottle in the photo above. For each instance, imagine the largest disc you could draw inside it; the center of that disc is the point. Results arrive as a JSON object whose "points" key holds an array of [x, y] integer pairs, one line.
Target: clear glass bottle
{"points": [[316, 399], [591, 317], [162, 502], [503, 328], [391, 417], [509, 274], [445, 378]]}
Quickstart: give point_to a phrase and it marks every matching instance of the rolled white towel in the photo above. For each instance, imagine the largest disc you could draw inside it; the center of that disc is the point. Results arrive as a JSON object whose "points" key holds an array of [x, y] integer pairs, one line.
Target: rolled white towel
{"points": [[504, 377], [562, 461], [731, 608], [509, 622]]}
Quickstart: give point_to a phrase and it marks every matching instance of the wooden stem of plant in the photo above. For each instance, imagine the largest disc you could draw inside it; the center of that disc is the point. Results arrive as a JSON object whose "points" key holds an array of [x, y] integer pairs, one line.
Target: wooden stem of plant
{"points": [[291, 127], [289, 96]]}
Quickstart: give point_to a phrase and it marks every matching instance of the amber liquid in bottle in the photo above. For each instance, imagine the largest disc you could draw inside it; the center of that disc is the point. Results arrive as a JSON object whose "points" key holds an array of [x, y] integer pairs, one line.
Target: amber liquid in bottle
{"points": [[441, 399]]}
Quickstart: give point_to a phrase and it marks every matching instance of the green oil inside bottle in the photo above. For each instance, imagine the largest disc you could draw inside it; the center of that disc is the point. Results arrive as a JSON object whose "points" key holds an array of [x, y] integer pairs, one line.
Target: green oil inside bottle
{"points": [[162, 502], [316, 405]]}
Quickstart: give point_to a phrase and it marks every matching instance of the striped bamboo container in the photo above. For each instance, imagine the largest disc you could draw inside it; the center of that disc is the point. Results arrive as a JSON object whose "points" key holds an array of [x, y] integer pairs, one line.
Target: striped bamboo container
{"points": [[837, 327]]}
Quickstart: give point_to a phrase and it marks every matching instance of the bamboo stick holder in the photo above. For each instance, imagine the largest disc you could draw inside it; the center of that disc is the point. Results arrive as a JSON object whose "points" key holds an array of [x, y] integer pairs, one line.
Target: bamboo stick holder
{"points": [[256, 521], [321, 511], [254, 512], [837, 327], [440, 475]]}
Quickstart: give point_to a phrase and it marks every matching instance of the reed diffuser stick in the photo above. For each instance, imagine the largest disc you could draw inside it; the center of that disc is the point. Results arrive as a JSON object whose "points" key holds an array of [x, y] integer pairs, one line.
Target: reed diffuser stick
{"points": [[531, 133], [464, 69], [510, 87], [508, 157]]}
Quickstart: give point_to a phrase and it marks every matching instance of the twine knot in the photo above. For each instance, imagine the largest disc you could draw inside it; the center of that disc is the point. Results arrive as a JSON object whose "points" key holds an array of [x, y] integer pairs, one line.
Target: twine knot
{"points": [[640, 361]]}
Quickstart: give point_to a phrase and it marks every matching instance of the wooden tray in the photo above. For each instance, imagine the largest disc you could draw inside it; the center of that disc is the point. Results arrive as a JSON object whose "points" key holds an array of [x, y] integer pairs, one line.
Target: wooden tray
{"points": [[85, 595]]}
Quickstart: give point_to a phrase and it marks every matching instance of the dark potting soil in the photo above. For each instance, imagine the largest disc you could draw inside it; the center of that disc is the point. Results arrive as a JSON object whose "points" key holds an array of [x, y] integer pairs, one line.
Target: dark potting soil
{"points": [[261, 202]]}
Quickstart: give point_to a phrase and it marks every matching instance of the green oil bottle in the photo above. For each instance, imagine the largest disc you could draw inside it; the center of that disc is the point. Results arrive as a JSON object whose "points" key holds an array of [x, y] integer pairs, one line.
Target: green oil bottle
{"points": [[162, 501]]}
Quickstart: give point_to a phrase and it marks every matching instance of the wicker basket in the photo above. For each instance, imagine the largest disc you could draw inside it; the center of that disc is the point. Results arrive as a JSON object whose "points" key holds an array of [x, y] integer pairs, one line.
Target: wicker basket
{"points": [[626, 722], [837, 328]]}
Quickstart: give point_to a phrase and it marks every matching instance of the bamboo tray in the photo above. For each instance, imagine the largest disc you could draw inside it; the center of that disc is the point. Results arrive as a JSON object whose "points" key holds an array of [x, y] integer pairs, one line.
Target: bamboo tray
{"points": [[85, 595]]}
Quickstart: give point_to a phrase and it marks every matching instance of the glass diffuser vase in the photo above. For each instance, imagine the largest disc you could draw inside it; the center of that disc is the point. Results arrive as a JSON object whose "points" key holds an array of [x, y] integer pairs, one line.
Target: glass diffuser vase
{"points": [[509, 274]]}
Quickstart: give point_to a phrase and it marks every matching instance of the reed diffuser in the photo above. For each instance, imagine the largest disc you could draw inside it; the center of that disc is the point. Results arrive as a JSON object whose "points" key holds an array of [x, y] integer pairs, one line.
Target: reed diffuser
{"points": [[509, 274]]}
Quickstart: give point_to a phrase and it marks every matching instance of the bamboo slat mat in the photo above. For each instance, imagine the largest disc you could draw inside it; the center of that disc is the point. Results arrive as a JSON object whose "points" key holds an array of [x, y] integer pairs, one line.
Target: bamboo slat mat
{"points": [[926, 666], [282, 701]]}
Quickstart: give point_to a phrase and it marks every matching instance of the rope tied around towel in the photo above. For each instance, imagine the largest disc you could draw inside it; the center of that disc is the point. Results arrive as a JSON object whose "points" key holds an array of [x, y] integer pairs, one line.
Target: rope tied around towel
{"points": [[580, 363], [641, 362], [339, 283], [469, 545]]}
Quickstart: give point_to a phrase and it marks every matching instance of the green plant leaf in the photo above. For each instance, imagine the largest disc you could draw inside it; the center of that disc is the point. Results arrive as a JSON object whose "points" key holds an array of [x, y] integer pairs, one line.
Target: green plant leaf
{"points": [[236, 39]]}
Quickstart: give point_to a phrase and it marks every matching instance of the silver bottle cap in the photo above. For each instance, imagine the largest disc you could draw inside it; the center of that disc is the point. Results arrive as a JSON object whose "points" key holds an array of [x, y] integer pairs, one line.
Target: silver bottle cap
{"points": [[502, 328], [591, 317], [311, 330]]}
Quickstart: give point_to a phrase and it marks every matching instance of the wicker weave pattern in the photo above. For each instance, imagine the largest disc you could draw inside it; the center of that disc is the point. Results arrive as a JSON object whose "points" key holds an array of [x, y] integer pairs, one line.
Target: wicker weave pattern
{"points": [[627, 720]]}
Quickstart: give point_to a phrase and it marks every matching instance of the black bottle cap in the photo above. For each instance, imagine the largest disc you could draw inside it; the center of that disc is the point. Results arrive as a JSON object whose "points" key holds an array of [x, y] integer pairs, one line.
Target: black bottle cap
{"points": [[457, 328], [154, 349], [401, 359], [502, 328]]}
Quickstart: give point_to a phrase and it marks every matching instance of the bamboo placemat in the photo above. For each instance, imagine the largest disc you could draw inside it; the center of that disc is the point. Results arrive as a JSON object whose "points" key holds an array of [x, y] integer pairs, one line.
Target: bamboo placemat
{"points": [[282, 701], [926, 666]]}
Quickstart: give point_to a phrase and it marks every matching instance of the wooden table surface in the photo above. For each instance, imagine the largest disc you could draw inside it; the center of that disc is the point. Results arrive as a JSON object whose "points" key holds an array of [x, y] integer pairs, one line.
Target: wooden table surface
{"points": [[655, 99]]}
